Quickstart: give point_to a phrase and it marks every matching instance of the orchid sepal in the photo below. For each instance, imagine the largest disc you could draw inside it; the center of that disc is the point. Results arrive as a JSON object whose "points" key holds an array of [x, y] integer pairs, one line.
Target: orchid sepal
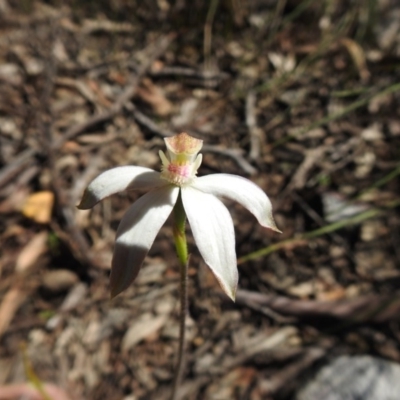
{"points": [[116, 180]]}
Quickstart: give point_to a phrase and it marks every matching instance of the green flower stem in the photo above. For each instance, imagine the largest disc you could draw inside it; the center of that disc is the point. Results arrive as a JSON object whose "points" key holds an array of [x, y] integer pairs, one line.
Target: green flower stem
{"points": [[181, 249], [179, 231]]}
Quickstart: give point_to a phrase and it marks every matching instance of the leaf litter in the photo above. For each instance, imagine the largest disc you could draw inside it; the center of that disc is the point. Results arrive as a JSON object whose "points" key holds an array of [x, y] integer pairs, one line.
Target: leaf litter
{"points": [[300, 98]]}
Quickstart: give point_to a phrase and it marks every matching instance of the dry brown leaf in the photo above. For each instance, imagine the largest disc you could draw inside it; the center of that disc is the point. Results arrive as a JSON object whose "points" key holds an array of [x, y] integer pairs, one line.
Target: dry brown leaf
{"points": [[334, 294], [235, 381], [39, 206], [155, 97], [14, 201], [17, 294], [357, 54], [9, 306], [31, 252], [59, 280], [141, 329]]}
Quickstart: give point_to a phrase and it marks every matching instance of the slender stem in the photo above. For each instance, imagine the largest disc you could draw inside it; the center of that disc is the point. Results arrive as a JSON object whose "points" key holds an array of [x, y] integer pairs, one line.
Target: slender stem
{"points": [[182, 331], [181, 249]]}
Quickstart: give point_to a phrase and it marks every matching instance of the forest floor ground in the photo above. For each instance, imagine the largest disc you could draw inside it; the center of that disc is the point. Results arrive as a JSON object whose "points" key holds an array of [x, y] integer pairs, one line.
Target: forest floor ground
{"points": [[301, 97]]}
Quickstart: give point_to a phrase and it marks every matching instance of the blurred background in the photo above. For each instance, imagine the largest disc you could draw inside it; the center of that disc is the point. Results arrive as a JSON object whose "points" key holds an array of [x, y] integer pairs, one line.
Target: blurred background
{"points": [[301, 97]]}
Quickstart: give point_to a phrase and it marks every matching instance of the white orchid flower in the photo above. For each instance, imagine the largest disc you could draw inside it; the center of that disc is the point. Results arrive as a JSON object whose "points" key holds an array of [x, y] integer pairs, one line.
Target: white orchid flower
{"points": [[209, 219]]}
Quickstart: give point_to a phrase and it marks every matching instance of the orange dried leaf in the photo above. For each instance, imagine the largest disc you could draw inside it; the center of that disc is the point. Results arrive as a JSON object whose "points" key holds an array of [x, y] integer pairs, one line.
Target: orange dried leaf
{"points": [[38, 207]]}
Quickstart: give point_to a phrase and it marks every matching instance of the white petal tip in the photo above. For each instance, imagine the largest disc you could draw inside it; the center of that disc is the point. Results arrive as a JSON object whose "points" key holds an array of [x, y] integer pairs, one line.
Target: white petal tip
{"points": [[122, 276], [275, 229], [114, 292], [269, 223], [232, 295], [88, 201], [229, 290]]}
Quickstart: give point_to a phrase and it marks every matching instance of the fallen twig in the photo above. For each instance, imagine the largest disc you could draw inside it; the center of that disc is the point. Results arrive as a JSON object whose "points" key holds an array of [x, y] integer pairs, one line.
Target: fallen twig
{"points": [[251, 122], [235, 154], [367, 308]]}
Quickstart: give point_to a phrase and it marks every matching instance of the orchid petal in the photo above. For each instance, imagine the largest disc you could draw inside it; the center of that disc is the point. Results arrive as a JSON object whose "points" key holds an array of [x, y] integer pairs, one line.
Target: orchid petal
{"points": [[117, 180], [136, 234], [245, 192], [212, 228]]}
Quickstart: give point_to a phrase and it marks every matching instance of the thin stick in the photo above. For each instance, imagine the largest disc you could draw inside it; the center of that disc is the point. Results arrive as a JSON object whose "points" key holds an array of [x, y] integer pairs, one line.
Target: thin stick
{"points": [[208, 35], [182, 328]]}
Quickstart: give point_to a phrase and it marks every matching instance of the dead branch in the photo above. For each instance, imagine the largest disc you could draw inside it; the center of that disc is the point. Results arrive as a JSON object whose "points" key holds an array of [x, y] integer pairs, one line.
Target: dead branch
{"points": [[368, 308]]}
